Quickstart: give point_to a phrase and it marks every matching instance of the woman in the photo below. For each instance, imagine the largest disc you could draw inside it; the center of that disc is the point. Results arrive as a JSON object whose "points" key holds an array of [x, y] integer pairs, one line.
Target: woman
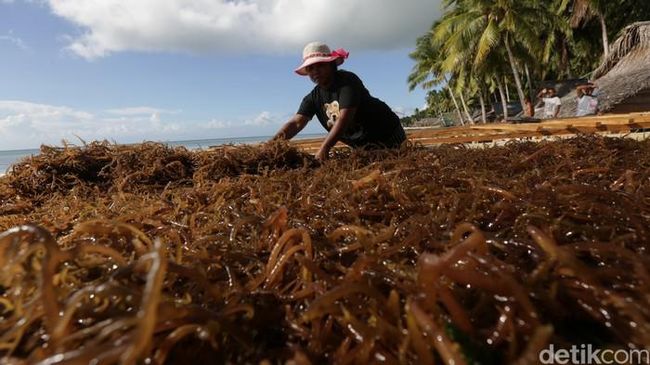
{"points": [[343, 105]]}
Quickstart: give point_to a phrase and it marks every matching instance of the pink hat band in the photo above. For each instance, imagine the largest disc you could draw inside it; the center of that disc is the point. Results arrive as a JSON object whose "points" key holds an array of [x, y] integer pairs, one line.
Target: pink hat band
{"points": [[317, 52]]}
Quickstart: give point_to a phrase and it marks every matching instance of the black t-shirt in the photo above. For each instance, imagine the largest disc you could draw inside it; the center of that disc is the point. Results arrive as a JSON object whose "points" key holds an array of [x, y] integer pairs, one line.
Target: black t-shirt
{"points": [[374, 122]]}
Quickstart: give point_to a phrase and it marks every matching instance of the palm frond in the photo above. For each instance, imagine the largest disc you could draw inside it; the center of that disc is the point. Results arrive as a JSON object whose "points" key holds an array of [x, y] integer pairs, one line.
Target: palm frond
{"points": [[489, 39]]}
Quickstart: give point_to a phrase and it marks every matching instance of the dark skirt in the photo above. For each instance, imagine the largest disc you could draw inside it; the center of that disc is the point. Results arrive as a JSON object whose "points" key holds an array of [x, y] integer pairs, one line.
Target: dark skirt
{"points": [[389, 140]]}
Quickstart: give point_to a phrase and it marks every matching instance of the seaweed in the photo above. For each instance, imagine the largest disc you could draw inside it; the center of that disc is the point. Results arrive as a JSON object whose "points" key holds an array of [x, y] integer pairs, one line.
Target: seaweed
{"points": [[251, 254]]}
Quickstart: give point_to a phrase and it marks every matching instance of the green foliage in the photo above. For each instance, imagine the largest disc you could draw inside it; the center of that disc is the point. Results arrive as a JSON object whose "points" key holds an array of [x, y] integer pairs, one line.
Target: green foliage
{"points": [[554, 39], [438, 102], [439, 105]]}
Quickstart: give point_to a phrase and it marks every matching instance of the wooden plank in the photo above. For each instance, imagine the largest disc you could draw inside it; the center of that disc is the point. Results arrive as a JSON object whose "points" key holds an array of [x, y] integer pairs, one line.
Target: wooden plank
{"points": [[632, 120], [500, 131]]}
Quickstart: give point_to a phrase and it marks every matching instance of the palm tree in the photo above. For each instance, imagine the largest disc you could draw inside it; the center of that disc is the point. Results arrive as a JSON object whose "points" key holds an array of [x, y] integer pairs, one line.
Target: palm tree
{"points": [[438, 102], [480, 28], [584, 10], [460, 85], [477, 88], [558, 42], [427, 70]]}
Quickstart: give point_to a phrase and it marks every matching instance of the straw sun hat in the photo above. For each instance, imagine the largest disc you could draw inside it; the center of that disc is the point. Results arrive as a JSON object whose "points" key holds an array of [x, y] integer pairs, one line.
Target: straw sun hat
{"points": [[316, 52]]}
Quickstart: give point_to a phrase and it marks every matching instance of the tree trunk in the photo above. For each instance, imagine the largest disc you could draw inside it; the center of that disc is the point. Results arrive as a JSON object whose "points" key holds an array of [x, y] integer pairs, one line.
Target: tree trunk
{"points": [[483, 115], [505, 83], [603, 27], [504, 103], [530, 82], [469, 116], [453, 98], [515, 74], [565, 65]]}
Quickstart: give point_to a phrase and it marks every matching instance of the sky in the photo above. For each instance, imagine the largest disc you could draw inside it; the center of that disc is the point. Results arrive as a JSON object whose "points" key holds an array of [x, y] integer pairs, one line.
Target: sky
{"points": [[129, 71]]}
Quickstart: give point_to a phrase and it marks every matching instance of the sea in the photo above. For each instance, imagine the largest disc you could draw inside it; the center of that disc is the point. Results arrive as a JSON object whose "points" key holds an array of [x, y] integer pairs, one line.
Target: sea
{"points": [[9, 157]]}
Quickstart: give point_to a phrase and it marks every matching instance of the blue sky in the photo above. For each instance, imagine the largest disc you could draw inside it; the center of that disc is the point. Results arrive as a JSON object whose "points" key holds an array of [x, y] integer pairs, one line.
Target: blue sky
{"points": [[135, 70]]}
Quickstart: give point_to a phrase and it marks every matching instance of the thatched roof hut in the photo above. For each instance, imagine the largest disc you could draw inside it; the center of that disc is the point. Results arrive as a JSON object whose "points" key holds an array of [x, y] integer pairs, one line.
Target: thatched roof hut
{"points": [[623, 79]]}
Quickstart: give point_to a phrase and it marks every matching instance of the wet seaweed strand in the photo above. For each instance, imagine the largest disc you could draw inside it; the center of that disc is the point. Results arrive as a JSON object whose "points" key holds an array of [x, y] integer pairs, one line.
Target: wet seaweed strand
{"points": [[118, 254]]}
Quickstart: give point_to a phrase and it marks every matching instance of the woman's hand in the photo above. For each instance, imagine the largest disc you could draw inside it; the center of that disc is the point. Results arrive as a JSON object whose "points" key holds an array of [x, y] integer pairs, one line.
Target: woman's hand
{"points": [[323, 154], [345, 118]]}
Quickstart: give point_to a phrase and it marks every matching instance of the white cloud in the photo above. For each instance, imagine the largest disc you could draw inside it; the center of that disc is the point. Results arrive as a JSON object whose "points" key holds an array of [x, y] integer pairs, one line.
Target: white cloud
{"points": [[16, 41], [244, 26], [140, 110], [27, 125], [24, 124], [217, 124], [155, 118], [264, 118], [37, 112], [402, 111]]}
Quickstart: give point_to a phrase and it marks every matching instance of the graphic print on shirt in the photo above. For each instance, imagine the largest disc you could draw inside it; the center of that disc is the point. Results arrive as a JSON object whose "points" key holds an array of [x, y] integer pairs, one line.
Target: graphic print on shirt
{"points": [[333, 113]]}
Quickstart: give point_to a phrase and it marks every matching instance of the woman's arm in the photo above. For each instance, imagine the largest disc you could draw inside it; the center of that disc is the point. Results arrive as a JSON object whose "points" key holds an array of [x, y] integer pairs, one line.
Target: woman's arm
{"points": [[346, 117], [292, 127]]}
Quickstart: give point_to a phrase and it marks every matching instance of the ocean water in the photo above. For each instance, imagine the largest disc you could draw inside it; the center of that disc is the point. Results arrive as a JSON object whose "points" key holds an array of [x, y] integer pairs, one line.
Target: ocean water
{"points": [[7, 158]]}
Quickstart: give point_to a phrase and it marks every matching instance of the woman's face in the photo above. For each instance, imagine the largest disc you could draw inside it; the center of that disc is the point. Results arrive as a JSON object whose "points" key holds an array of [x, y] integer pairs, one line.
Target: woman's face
{"points": [[320, 73]]}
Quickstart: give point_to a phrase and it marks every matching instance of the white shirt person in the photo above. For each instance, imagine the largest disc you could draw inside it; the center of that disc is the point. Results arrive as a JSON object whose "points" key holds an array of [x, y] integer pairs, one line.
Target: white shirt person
{"points": [[587, 100], [552, 103]]}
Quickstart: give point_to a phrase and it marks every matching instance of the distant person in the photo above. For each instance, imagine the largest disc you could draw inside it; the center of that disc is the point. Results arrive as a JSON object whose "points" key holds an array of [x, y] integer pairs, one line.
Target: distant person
{"points": [[587, 100], [552, 102], [343, 105]]}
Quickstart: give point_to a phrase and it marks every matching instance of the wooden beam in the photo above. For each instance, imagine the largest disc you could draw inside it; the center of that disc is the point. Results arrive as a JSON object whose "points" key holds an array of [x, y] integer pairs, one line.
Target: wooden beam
{"points": [[501, 131]]}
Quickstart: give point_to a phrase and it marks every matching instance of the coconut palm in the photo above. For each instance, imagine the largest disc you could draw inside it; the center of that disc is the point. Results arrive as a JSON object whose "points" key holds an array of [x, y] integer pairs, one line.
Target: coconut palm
{"points": [[455, 60], [427, 70], [456, 48], [475, 80], [584, 10], [477, 88], [439, 102], [468, 48], [558, 43], [459, 84], [481, 28]]}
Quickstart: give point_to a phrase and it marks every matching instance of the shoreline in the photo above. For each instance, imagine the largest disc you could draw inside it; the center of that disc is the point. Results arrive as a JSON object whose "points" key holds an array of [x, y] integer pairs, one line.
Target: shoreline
{"points": [[12, 156], [635, 125]]}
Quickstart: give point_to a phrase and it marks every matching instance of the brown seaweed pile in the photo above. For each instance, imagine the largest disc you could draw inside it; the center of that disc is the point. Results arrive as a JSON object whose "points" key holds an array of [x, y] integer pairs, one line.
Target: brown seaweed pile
{"points": [[151, 254]]}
